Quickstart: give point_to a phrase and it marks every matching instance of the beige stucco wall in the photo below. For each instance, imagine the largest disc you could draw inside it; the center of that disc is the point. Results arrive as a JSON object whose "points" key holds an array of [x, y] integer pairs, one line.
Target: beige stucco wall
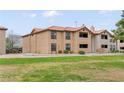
{"points": [[99, 42], [68, 41], [41, 42], [26, 45], [33, 43], [37, 43], [93, 43], [119, 45], [60, 41], [2, 42], [77, 40], [74, 41]]}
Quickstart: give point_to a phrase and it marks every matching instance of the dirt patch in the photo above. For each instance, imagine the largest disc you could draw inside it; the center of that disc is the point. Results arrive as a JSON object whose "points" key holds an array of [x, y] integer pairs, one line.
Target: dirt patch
{"points": [[7, 68], [110, 75]]}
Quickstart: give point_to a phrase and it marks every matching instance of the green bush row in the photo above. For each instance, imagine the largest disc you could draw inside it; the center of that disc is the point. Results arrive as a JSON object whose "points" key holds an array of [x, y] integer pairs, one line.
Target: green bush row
{"points": [[117, 51], [69, 52]]}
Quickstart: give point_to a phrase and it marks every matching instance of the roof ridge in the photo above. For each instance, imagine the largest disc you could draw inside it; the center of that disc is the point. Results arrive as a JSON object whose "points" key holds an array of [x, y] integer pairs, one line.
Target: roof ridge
{"points": [[62, 28]]}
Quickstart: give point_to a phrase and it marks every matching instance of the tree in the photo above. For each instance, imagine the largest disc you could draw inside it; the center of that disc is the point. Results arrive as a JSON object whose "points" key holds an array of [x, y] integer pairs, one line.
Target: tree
{"points": [[119, 32], [13, 43], [9, 40]]}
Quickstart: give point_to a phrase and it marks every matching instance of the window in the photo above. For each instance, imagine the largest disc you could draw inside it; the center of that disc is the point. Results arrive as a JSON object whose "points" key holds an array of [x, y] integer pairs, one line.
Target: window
{"points": [[112, 47], [68, 47], [122, 48], [83, 45], [53, 35], [68, 36], [121, 41], [104, 46], [111, 40], [104, 37], [83, 35], [53, 46]]}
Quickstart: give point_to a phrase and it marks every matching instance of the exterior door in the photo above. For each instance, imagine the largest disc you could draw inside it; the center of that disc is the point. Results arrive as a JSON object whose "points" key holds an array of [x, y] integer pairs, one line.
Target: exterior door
{"points": [[53, 48]]}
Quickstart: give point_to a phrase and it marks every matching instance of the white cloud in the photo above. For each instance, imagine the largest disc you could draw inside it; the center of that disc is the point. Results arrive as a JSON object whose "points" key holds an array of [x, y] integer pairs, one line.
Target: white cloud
{"points": [[105, 11], [51, 14], [33, 15], [29, 15]]}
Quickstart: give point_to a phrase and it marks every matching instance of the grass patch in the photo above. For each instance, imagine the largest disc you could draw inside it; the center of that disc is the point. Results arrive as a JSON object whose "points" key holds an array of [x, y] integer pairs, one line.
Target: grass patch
{"points": [[51, 75], [112, 64], [63, 69], [60, 59]]}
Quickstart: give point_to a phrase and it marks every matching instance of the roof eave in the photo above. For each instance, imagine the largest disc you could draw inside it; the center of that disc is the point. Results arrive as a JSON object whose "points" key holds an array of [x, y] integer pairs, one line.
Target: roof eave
{"points": [[3, 29]]}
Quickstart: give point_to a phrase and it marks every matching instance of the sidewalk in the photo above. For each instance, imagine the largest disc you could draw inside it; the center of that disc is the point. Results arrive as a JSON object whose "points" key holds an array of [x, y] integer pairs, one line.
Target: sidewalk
{"points": [[31, 55]]}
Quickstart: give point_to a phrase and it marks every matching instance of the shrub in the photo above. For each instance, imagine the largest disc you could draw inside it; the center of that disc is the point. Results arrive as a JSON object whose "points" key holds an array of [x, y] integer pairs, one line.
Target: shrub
{"points": [[121, 51], [14, 50], [114, 51], [66, 51], [60, 51], [81, 52], [71, 52]]}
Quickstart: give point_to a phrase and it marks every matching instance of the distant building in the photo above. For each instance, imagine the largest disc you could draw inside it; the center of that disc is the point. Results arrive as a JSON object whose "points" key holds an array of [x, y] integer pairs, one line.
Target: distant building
{"points": [[56, 38], [2, 40]]}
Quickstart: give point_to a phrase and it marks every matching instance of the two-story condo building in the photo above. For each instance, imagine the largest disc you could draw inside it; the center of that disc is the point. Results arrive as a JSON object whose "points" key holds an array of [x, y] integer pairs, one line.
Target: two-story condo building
{"points": [[56, 38], [102, 41], [2, 40], [120, 45]]}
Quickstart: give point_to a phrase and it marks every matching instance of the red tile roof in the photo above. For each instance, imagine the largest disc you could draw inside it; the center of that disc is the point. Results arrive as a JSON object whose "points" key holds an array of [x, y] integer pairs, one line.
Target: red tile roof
{"points": [[35, 30], [72, 28], [98, 31], [57, 28], [60, 28]]}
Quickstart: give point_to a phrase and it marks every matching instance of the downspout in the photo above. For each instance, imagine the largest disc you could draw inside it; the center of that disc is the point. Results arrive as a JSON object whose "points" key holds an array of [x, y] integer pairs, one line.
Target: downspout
{"points": [[35, 43], [30, 44]]}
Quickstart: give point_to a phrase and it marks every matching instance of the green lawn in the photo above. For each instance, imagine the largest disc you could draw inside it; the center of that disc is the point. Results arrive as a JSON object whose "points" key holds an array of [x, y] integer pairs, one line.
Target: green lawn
{"points": [[60, 69]]}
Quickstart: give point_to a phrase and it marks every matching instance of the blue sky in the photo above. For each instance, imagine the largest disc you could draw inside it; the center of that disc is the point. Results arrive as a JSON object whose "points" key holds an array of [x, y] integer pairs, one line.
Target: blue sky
{"points": [[22, 22]]}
